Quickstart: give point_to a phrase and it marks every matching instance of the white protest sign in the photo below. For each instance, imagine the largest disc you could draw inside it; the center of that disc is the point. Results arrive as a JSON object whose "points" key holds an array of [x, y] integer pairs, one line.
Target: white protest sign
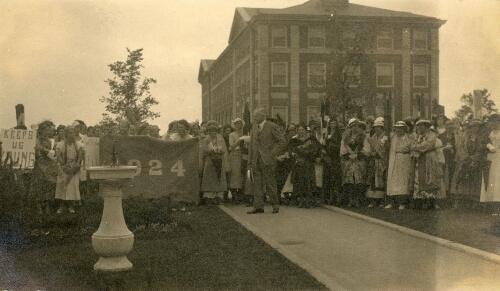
{"points": [[20, 145]]}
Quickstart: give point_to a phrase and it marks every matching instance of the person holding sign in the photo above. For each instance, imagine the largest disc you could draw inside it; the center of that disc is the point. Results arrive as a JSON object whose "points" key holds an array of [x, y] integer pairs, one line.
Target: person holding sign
{"points": [[69, 154], [45, 169]]}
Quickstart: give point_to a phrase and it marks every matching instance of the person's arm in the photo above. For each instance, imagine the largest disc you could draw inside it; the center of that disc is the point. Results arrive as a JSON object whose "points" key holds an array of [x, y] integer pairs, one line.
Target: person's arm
{"points": [[366, 150], [279, 141], [234, 142], [40, 150], [426, 145], [250, 148], [59, 153], [80, 152]]}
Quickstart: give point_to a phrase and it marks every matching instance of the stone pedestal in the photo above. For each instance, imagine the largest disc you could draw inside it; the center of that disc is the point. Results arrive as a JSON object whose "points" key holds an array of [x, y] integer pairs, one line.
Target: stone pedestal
{"points": [[112, 241]]}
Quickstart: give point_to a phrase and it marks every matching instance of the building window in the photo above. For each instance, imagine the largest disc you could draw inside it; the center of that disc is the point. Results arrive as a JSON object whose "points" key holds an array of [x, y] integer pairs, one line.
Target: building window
{"points": [[352, 75], [313, 113], [279, 73], [348, 39], [316, 74], [420, 39], [281, 111], [316, 36], [385, 75], [420, 75], [278, 36], [384, 39]]}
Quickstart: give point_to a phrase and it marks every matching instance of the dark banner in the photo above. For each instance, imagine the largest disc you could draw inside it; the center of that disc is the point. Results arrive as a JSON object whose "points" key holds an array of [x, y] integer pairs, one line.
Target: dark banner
{"points": [[164, 168]]}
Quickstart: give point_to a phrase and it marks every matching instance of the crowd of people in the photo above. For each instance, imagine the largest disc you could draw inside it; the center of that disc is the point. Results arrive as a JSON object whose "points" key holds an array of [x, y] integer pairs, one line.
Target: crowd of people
{"points": [[420, 163]]}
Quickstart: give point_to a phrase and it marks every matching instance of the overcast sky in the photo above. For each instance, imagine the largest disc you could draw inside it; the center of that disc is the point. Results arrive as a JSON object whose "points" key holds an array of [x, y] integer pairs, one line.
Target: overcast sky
{"points": [[54, 54]]}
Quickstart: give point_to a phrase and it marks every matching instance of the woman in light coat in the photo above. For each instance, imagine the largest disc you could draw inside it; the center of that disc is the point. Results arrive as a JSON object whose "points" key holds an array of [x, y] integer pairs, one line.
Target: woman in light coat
{"points": [[354, 151], [400, 167]]}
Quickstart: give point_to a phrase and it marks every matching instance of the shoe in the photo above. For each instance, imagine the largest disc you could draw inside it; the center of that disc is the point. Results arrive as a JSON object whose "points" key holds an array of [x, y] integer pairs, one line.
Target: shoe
{"points": [[254, 211], [276, 210], [71, 210], [401, 207], [388, 206]]}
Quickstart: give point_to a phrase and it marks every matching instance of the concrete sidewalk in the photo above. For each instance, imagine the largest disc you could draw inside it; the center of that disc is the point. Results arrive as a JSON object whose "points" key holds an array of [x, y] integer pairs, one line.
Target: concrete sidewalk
{"points": [[346, 251]]}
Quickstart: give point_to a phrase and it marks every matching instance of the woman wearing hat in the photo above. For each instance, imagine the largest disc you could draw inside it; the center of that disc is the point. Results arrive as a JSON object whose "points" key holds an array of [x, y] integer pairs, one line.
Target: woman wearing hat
{"points": [[45, 169], [490, 190], [448, 140], [213, 162], [182, 131], [332, 178], [400, 167], [466, 182], [377, 163], [235, 161], [306, 149], [69, 153], [428, 170], [354, 151]]}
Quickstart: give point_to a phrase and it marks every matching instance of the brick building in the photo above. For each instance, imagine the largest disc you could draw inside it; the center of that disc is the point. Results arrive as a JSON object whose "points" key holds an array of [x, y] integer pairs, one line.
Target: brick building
{"points": [[289, 60]]}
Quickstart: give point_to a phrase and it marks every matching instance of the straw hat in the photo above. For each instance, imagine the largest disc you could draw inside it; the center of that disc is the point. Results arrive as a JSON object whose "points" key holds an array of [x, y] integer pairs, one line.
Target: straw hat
{"points": [[352, 121], [379, 121], [423, 121], [400, 124], [238, 120]]}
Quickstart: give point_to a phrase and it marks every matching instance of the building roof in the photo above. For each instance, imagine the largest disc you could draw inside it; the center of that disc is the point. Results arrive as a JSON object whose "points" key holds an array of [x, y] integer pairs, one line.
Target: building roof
{"points": [[204, 66], [311, 8]]}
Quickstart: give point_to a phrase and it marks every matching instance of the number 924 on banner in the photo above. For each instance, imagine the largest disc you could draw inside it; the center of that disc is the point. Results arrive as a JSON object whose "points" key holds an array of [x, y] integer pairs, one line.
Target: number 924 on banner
{"points": [[155, 167]]}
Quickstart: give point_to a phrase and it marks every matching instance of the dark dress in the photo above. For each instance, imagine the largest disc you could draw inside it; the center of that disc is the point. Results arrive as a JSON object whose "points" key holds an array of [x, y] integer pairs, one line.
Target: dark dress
{"points": [[44, 172], [448, 138], [332, 177], [303, 174]]}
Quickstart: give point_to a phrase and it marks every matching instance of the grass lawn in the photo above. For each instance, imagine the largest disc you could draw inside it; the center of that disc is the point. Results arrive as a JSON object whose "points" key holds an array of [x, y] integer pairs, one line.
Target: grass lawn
{"points": [[472, 226], [202, 249]]}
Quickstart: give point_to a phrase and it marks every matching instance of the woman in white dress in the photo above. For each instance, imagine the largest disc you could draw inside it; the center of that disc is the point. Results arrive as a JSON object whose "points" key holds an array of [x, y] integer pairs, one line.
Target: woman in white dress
{"points": [[490, 188], [69, 153], [235, 161]]}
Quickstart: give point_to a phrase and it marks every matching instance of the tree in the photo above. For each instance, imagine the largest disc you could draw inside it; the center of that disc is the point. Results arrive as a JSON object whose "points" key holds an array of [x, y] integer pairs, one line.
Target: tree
{"points": [[467, 100], [127, 92], [348, 54]]}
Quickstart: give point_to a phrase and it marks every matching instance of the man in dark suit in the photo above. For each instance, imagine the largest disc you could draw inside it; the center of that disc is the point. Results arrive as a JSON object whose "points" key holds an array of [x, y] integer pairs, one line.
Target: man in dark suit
{"points": [[266, 142]]}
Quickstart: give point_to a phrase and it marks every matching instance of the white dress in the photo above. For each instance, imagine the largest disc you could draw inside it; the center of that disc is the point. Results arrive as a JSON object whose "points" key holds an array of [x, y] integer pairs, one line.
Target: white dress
{"points": [[68, 188], [491, 192]]}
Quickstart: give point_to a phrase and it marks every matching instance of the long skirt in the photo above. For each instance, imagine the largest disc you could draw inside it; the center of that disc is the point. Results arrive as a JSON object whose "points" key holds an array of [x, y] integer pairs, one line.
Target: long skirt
{"points": [[304, 178], [211, 182], [399, 176], [68, 188], [490, 189], [236, 176], [376, 179], [466, 181], [423, 188]]}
